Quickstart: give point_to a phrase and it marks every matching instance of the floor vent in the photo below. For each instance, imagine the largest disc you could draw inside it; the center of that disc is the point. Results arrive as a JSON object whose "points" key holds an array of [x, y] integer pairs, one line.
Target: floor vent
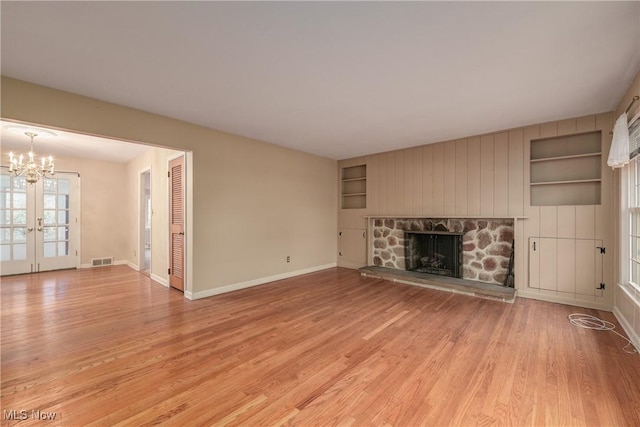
{"points": [[101, 262]]}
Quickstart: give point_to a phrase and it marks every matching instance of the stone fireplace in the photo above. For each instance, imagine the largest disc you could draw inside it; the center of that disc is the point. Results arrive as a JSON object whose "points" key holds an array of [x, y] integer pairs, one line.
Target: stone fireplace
{"points": [[486, 244]]}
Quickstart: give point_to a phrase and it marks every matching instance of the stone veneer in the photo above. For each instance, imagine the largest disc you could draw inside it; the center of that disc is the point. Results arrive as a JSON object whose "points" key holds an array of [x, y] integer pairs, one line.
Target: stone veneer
{"points": [[486, 244]]}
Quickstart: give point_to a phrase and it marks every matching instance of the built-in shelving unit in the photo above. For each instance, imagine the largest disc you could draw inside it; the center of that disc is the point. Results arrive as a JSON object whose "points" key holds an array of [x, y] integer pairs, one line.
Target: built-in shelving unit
{"points": [[354, 187], [566, 170]]}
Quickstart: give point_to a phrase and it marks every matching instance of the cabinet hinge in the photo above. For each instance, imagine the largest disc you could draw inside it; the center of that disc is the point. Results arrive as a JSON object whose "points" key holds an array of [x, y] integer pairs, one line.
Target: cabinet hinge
{"points": [[602, 249], [168, 271], [602, 286], [168, 174]]}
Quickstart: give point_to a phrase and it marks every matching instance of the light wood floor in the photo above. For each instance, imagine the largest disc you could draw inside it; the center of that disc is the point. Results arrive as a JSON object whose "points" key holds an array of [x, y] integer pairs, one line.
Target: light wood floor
{"points": [[109, 347]]}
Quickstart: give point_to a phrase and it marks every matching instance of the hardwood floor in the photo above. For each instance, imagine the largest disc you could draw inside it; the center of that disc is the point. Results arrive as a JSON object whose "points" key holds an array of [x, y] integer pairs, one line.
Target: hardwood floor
{"points": [[109, 347]]}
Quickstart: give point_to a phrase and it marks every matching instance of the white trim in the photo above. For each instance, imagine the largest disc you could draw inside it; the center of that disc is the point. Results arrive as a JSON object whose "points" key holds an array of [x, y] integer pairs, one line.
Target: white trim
{"points": [[162, 281], [351, 264], [635, 338], [133, 266], [565, 300], [255, 282], [141, 210]]}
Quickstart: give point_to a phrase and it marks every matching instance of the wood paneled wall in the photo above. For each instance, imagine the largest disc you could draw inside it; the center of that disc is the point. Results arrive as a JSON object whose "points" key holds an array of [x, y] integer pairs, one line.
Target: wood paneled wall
{"points": [[486, 176]]}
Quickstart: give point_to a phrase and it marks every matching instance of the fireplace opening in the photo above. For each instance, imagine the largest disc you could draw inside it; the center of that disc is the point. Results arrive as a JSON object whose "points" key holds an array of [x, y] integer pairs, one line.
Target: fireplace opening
{"points": [[434, 252]]}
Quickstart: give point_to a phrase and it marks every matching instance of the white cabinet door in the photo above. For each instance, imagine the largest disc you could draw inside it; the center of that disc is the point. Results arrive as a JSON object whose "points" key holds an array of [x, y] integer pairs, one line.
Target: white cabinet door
{"points": [[353, 246], [565, 265]]}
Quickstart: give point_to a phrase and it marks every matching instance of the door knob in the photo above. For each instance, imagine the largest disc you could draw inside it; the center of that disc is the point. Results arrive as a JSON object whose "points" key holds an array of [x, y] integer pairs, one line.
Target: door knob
{"points": [[181, 233], [30, 229]]}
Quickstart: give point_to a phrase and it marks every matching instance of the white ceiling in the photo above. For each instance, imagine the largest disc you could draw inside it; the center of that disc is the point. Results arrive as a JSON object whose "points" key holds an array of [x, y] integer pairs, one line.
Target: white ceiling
{"points": [[338, 79], [66, 144]]}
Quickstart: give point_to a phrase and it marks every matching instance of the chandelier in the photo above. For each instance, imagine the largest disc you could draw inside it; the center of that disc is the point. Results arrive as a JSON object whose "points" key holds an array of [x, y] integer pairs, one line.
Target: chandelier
{"points": [[28, 165]]}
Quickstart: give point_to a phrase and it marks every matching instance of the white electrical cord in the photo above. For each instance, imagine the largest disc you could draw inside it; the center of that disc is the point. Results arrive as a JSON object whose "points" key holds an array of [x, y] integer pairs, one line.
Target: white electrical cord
{"points": [[587, 321]]}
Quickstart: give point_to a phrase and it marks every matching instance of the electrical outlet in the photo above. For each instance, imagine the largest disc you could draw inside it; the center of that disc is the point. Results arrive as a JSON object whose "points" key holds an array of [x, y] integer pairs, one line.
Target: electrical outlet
{"points": [[288, 259]]}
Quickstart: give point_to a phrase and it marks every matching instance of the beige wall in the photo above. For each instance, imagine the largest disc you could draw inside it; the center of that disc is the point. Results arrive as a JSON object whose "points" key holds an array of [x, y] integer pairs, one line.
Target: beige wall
{"points": [[487, 176], [253, 203], [104, 207], [156, 160]]}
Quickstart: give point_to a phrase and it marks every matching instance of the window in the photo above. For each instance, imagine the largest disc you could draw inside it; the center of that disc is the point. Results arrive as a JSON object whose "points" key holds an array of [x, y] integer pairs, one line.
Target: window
{"points": [[633, 218]]}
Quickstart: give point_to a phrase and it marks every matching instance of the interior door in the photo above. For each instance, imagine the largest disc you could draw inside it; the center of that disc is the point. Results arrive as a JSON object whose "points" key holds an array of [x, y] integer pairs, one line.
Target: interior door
{"points": [[17, 240], [176, 223], [39, 224]]}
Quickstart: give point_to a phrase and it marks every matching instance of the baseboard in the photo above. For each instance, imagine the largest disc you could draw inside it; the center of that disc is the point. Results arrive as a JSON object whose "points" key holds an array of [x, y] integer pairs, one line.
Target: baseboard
{"points": [[132, 265], [164, 282], [635, 338], [350, 264], [124, 262], [562, 300], [255, 282]]}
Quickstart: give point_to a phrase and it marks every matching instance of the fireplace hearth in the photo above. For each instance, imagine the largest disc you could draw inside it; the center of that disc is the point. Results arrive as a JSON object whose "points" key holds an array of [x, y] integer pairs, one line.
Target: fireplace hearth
{"points": [[434, 252]]}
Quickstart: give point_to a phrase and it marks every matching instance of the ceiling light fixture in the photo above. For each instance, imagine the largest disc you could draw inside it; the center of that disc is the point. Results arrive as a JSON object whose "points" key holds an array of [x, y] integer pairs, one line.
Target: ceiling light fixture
{"points": [[31, 169]]}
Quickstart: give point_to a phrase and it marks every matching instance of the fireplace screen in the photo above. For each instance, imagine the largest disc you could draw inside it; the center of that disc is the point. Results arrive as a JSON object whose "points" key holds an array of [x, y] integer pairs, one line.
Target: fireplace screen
{"points": [[434, 252]]}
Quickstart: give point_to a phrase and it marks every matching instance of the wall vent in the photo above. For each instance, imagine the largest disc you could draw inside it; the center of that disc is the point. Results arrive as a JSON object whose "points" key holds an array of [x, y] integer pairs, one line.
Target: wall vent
{"points": [[101, 262]]}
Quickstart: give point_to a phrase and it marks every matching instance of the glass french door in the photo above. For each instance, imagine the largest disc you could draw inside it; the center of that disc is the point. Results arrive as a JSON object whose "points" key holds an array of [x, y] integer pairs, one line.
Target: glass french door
{"points": [[38, 223]]}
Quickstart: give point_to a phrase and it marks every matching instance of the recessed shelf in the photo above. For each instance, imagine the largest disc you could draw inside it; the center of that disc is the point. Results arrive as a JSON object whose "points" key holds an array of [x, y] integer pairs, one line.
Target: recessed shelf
{"points": [[575, 156], [574, 181], [353, 182], [566, 170]]}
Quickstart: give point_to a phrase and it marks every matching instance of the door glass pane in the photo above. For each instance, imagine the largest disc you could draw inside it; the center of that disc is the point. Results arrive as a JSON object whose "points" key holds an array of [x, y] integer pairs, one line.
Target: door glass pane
{"points": [[20, 234], [50, 217], [5, 182], [5, 235], [63, 186], [19, 183], [63, 233], [5, 218], [49, 201], [49, 250], [63, 248], [63, 217], [20, 252], [19, 216], [5, 200], [63, 201], [5, 252], [19, 200], [49, 185], [49, 233]]}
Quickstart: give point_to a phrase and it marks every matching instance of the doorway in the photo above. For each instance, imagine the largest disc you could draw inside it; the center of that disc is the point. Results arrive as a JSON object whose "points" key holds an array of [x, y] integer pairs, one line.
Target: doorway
{"points": [[146, 213], [39, 223]]}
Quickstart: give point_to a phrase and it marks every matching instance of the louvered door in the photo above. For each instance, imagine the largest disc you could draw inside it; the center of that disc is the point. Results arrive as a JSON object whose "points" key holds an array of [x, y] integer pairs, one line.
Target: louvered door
{"points": [[176, 223]]}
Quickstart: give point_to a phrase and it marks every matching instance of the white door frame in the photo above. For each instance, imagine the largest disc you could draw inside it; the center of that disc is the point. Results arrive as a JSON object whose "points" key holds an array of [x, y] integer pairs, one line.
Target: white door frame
{"points": [[141, 216]]}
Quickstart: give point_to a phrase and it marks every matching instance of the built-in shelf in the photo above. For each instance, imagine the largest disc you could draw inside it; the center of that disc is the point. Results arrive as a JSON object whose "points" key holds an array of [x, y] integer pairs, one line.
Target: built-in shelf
{"points": [[353, 181], [577, 156], [566, 170], [575, 181]]}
